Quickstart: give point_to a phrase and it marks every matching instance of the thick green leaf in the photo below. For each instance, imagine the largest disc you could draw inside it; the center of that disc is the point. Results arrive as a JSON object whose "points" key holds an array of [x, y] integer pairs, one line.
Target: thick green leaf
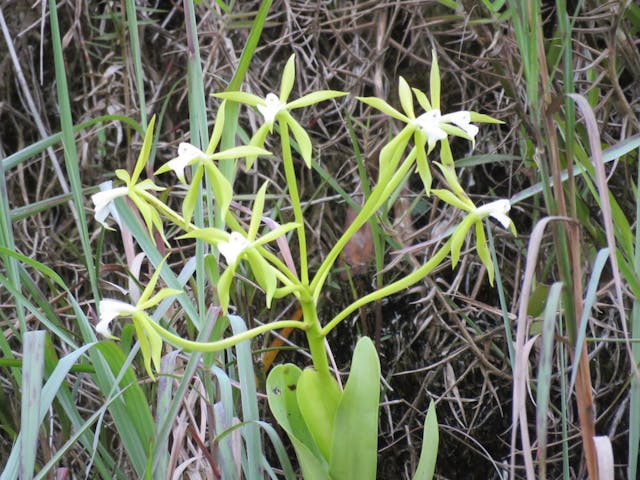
{"points": [[355, 443], [318, 399], [429, 451], [282, 384]]}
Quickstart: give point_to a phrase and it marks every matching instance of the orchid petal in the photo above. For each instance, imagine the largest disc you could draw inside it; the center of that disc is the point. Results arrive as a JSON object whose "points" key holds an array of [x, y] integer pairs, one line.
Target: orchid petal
{"points": [[232, 249], [497, 209], [110, 309], [270, 109], [102, 202]]}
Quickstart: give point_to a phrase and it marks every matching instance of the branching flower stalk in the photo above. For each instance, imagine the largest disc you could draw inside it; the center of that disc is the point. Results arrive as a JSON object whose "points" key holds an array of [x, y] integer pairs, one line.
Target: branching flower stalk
{"points": [[270, 272]]}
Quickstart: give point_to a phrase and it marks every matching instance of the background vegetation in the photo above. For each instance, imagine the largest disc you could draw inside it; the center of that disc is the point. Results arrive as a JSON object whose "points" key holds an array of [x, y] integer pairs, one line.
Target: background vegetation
{"points": [[75, 99]]}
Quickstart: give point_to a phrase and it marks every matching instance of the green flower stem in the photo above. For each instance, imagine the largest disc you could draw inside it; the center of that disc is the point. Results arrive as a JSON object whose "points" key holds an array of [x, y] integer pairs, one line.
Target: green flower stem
{"points": [[290, 175], [167, 212], [378, 196], [392, 288], [209, 347], [315, 338]]}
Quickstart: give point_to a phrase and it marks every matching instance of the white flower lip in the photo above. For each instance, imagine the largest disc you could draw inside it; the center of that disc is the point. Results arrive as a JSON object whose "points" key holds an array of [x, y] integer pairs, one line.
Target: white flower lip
{"points": [[232, 249], [461, 119], [497, 209], [102, 202], [431, 123], [110, 309], [270, 109], [187, 153]]}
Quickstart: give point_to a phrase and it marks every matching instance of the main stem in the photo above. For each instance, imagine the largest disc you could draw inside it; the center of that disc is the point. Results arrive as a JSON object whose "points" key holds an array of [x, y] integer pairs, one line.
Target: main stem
{"points": [[315, 338], [292, 184]]}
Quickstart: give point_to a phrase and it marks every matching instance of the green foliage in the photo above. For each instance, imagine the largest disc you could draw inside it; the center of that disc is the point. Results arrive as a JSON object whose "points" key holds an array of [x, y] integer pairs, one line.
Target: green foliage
{"points": [[334, 431]]}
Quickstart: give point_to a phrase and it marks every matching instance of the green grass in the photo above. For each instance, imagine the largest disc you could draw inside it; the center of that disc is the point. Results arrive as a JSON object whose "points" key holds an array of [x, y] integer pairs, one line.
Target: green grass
{"points": [[579, 232]]}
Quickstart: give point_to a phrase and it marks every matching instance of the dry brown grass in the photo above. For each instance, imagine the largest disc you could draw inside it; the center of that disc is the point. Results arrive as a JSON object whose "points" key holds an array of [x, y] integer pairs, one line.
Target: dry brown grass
{"points": [[445, 338]]}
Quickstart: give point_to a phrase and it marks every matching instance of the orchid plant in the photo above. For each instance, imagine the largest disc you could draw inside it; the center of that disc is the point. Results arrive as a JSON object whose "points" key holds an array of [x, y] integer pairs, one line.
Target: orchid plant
{"points": [[333, 428]]}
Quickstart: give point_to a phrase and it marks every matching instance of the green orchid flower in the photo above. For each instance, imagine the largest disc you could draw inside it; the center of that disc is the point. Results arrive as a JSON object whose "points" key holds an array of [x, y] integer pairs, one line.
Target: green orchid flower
{"points": [[189, 155], [498, 210], [276, 107], [427, 129], [137, 191], [239, 245], [150, 340]]}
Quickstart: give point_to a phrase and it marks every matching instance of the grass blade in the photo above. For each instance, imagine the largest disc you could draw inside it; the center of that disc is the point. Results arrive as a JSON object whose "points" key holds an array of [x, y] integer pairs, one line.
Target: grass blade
{"points": [[32, 373], [551, 310]]}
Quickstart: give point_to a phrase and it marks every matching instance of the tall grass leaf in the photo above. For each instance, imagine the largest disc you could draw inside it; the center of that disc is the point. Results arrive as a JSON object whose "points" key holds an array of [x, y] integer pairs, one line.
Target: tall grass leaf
{"points": [[503, 301], [589, 300], [7, 244], [52, 324], [164, 428], [429, 451], [248, 396], [32, 373], [70, 152], [163, 400], [518, 407], [47, 395], [224, 414], [231, 113], [553, 307], [280, 449], [136, 56], [634, 396], [609, 155], [78, 433], [36, 148], [136, 427]]}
